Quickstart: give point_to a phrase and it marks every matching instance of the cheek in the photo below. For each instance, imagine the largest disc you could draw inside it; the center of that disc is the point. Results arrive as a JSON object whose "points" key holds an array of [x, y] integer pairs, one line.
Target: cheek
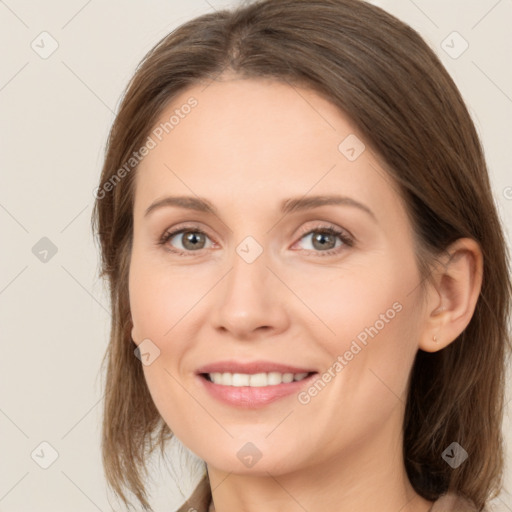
{"points": [[160, 297], [354, 300], [154, 308], [373, 318], [159, 304], [369, 360]]}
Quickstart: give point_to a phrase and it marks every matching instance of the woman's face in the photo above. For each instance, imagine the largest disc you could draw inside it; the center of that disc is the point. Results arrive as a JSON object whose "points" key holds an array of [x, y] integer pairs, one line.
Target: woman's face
{"points": [[263, 281]]}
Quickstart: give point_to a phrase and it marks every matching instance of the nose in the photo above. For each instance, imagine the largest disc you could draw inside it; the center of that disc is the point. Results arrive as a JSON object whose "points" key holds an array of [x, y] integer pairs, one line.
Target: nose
{"points": [[250, 300]]}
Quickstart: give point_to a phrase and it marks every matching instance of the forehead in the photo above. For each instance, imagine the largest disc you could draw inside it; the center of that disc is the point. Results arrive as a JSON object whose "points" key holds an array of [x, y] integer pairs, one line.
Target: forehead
{"points": [[258, 141], [265, 119]]}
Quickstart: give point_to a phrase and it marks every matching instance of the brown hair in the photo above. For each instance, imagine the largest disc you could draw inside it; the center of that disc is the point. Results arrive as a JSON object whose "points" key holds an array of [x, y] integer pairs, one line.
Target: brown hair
{"points": [[394, 89]]}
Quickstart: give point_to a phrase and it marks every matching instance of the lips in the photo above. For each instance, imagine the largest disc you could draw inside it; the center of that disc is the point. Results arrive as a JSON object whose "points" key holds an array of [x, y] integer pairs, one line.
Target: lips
{"points": [[257, 394], [251, 368]]}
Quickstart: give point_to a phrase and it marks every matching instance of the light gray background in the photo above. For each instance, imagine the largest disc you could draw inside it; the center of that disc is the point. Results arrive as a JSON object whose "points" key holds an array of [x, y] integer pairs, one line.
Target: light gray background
{"points": [[56, 113]]}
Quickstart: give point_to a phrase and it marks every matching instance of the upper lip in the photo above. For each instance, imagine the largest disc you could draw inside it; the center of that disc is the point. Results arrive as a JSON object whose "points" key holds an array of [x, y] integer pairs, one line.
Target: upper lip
{"points": [[251, 367]]}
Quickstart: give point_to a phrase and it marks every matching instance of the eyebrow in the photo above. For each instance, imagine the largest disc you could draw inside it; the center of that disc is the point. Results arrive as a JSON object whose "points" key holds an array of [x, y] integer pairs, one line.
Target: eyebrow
{"points": [[287, 206]]}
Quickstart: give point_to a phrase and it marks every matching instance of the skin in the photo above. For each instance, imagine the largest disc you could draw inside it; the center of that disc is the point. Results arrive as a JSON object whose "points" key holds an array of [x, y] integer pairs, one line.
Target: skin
{"points": [[247, 146]]}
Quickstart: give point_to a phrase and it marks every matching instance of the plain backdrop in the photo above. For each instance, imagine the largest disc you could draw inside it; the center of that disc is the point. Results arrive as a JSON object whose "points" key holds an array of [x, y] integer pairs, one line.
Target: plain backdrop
{"points": [[56, 111]]}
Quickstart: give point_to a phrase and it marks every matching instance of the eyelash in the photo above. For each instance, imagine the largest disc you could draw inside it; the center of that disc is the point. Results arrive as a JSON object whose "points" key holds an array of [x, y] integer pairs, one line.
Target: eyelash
{"points": [[329, 230]]}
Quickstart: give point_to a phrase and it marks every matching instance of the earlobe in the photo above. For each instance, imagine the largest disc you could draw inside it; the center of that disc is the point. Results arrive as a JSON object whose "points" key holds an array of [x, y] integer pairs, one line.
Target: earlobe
{"points": [[454, 292]]}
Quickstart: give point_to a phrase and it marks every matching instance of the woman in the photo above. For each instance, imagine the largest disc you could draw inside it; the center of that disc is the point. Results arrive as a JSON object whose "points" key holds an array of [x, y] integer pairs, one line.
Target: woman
{"points": [[308, 276]]}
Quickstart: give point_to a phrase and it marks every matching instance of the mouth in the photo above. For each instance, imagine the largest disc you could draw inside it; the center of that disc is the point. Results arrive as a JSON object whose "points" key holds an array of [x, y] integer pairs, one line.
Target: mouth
{"points": [[254, 380], [252, 385]]}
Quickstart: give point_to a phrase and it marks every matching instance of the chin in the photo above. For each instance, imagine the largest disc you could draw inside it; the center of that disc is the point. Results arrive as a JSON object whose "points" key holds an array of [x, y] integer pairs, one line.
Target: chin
{"points": [[251, 458]]}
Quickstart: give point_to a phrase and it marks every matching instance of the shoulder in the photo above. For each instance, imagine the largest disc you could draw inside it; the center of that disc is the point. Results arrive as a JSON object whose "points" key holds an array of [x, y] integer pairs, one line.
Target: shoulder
{"points": [[452, 502]]}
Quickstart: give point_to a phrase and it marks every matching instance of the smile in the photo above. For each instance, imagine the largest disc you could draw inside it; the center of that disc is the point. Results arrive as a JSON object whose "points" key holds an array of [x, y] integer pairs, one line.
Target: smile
{"points": [[252, 385], [255, 380]]}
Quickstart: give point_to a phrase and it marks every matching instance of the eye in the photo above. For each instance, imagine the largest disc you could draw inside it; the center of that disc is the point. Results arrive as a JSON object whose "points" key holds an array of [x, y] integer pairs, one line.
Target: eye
{"points": [[323, 240], [188, 239], [327, 240]]}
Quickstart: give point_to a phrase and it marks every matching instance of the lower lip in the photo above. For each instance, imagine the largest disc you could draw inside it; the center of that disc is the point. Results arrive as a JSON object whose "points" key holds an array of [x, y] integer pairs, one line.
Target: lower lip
{"points": [[253, 397]]}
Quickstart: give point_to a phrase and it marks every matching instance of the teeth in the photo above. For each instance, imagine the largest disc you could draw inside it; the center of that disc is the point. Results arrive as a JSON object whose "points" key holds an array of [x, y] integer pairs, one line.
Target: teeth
{"points": [[254, 380]]}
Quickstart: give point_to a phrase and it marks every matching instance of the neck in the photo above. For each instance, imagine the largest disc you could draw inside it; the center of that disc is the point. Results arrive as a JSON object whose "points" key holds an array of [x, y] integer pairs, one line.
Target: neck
{"points": [[367, 476]]}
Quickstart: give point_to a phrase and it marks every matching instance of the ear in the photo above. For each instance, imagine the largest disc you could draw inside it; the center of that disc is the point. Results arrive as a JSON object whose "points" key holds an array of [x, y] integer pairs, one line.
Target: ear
{"points": [[452, 294]]}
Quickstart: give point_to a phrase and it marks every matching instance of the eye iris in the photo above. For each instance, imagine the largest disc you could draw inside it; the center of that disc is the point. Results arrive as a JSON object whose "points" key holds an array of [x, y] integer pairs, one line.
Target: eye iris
{"points": [[191, 237], [320, 238]]}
